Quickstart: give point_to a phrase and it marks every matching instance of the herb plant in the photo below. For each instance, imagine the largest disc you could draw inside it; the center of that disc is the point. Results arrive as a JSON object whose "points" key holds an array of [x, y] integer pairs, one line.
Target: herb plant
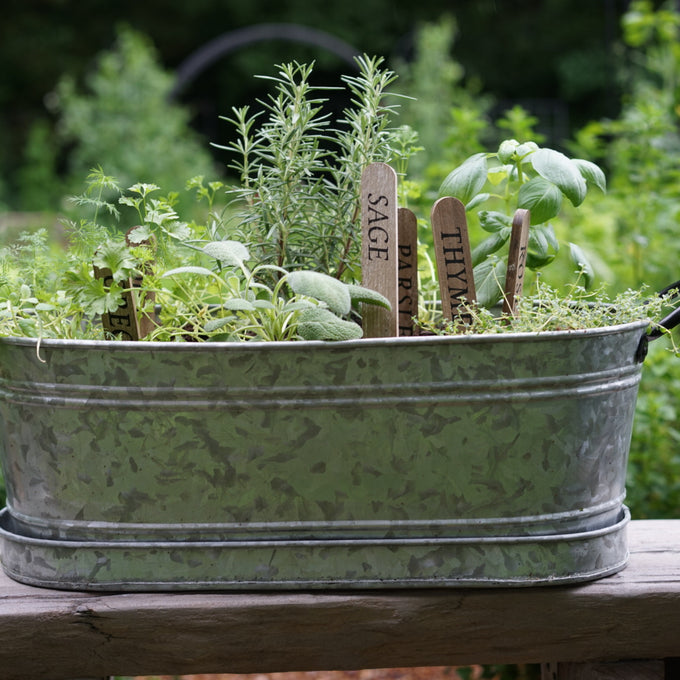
{"points": [[520, 176], [297, 205]]}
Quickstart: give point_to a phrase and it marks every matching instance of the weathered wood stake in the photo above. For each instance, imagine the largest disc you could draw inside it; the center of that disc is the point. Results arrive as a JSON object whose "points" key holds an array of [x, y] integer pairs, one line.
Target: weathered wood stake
{"points": [[453, 257], [379, 248], [517, 260], [408, 272]]}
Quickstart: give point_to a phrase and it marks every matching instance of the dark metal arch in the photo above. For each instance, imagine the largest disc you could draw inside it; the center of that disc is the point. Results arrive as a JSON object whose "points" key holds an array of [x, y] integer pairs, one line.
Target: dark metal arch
{"points": [[215, 49]]}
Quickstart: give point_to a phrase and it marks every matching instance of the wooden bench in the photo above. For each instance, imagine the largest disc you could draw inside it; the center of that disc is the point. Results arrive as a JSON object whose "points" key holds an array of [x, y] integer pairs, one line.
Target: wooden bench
{"points": [[631, 618]]}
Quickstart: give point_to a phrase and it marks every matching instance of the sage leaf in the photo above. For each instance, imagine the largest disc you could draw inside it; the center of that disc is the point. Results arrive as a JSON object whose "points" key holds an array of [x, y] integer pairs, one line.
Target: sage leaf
{"points": [[561, 171], [367, 295], [466, 180], [231, 253], [542, 198], [591, 173], [580, 259], [489, 281], [322, 287], [215, 324], [264, 304], [319, 323], [189, 269], [239, 305]]}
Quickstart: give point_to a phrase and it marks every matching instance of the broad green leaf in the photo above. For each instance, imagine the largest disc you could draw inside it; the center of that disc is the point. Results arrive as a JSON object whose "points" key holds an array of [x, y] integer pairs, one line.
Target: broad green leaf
{"points": [[361, 294], [489, 281], [322, 287], [543, 246], [493, 221], [479, 198], [581, 260], [538, 261], [319, 323], [490, 245], [591, 173], [466, 180], [231, 253], [560, 170], [549, 233], [539, 251], [542, 198]]}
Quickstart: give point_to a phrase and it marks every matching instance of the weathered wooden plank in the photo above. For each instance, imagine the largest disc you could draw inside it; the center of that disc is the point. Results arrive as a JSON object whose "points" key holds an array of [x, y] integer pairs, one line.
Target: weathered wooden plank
{"points": [[632, 615]]}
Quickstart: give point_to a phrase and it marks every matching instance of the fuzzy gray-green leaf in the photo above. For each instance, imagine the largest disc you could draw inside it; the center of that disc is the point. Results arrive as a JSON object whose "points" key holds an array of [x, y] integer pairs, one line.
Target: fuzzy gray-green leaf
{"points": [[319, 323], [232, 253], [361, 294], [322, 287]]}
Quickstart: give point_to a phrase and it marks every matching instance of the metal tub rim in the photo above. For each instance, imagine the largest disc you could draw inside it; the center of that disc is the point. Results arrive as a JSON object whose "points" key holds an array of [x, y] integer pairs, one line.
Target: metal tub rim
{"points": [[306, 345]]}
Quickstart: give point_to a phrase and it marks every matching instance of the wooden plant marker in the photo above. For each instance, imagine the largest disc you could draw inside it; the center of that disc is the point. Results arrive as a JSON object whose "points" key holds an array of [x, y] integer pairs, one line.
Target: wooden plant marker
{"points": [[408, 271], [124, 322], [379, 248], [453, 257], [146, 323], [517, 260]]}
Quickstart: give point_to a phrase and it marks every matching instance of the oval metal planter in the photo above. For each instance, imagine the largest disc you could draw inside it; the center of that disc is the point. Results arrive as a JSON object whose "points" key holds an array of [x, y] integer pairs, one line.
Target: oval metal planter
{"points": [[384, 446]]}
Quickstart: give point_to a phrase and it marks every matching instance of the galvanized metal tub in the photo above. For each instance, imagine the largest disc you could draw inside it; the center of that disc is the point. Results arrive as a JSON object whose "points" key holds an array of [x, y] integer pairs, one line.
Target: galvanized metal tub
{"points": [[553, 559], [430, 438]]}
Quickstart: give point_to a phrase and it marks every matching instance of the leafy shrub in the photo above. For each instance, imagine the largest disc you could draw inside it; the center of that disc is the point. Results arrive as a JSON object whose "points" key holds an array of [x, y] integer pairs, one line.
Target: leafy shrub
{"points": [[123, 118]]}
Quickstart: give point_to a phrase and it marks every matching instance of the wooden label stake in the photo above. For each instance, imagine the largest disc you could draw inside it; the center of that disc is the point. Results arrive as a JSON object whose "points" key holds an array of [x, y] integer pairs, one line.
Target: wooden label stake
{"points": [[517, 260], [146, 322], [123, 321], [379, 243], [408, 272], [453, 257]]}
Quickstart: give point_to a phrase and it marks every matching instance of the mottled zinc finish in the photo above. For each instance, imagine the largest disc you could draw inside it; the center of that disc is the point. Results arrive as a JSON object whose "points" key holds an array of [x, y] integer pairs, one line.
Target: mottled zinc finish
{"points": [[514, 435], [333, 563]]}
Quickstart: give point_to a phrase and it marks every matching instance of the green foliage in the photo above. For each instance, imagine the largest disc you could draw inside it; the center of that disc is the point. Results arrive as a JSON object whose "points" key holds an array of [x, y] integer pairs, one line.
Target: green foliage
{"points": [[641, 150], [300, 171], [192, 281], [124, 117], [520, 176], [653, 482], [449, 114], [39, 186], [549, 309]]}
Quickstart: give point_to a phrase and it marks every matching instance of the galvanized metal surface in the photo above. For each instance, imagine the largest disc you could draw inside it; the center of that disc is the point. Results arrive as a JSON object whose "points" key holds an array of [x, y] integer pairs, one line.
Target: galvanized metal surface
{"points": [[400, 438], [337, 563]]}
